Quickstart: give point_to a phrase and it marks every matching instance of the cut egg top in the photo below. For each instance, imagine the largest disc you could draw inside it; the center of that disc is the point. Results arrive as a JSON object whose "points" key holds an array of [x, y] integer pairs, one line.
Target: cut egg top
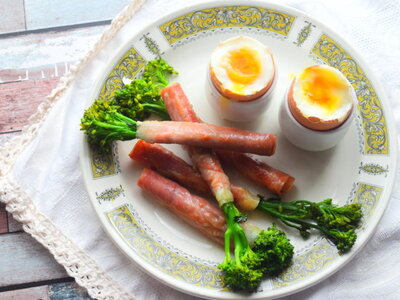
{"points": [[242, 68], [321, 98]]}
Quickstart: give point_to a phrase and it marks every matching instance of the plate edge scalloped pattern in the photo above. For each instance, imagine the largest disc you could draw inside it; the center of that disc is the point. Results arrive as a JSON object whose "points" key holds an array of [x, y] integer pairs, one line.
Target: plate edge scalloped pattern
{"points": [[330, 52]]}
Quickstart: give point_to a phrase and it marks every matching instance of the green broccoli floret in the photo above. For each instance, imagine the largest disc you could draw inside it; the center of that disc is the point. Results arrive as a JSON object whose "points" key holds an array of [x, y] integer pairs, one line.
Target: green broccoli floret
{"points": [[157, 72], [141, 97], [272, 246], [242, 271], [240, 278], [274, 249], [344, 240], [337, 223], [103, 124], [108, 121], [340, 217]]}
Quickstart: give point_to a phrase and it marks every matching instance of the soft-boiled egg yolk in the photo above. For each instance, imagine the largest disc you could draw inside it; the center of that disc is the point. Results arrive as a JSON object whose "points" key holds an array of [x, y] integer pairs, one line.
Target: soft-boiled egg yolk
{"points": [[242, 68], [243, 65], [322, 87], [321, 98]]}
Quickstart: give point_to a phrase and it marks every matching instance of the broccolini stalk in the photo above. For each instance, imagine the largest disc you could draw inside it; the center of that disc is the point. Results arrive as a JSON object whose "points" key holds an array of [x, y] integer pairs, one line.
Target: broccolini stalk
{"points": [[337, 223], [141, 97], [272, 246], [345, 217], [272, 249], [242, 271], [107, 121], [256, 252], [103, 124]]}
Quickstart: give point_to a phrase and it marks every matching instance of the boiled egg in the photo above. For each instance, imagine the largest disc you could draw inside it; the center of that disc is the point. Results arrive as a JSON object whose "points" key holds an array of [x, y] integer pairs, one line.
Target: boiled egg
{"points": [[242, 68], [321, 98]]}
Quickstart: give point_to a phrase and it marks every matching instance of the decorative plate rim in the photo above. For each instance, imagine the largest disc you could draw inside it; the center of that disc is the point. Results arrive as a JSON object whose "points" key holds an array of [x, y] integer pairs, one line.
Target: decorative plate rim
{"points": [[392, 155]]}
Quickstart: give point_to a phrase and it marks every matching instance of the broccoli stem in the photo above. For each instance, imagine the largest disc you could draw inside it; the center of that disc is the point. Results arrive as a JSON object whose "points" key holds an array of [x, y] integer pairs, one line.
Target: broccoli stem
{"points": [[163, 81], [124, 119], [157, 110], [288, 207], [234, 231], [103, 124], [274, 210], [243, 271], [337, 223]]}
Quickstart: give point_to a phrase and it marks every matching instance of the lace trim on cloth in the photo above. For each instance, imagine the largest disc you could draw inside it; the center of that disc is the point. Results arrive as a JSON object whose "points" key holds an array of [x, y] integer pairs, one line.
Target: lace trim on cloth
{"points": [[78, 264]]}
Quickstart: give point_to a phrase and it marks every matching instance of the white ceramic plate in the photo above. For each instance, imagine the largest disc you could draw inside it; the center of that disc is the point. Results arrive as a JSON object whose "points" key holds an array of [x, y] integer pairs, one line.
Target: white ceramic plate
{"points": [[359, 169]]}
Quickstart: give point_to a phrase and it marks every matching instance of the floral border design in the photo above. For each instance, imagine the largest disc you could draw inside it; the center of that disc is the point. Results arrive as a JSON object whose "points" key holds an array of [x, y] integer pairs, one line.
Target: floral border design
{"points": [[368, 196], [324, 252], [373, 169], [110, 194], [369, 106], [151, 45], [130, 64], [226, 16], [308, 264], [200, 274], [304, 33], [126, 68], [102, 164], [160, 256]]}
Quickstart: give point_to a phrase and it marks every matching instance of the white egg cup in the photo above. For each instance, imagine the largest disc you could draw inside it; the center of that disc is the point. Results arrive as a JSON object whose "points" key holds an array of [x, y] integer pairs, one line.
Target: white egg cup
{"points": [[239, 111], [309, 139]]}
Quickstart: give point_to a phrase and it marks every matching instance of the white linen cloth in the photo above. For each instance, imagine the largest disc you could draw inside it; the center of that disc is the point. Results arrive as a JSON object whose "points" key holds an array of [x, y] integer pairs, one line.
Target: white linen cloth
{"points": [[49, 169]]}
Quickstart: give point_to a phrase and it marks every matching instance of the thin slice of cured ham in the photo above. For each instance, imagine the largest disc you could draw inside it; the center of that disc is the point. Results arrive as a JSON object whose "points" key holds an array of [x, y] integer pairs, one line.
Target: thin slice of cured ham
{"points": [[205, 160], [173, 167], [169, 165], [180, 109], [259, 172], [207, 136], [195, 210]]}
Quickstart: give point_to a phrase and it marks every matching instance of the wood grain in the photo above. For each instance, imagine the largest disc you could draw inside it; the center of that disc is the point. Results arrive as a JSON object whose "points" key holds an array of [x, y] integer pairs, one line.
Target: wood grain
{"points": [[23, 259], [26, 244], [3, 219], [61, 13], [57, 291], [34, 293], [20, 100], [13, 225], [12, 16], [62, 291], [30, 67]]}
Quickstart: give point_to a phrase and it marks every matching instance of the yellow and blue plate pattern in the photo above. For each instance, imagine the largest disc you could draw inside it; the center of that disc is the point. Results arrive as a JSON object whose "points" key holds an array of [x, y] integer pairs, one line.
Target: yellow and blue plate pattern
{"points": [[358, 170]]}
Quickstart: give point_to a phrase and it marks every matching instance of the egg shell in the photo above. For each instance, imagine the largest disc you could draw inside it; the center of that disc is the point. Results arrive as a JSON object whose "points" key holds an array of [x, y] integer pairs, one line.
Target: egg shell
{"points": [[228, 93], [313, 122]]}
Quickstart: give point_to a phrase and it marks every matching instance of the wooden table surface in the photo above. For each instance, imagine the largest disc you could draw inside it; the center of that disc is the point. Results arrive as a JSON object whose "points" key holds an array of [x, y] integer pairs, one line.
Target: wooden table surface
{"points": [[39, 41]]}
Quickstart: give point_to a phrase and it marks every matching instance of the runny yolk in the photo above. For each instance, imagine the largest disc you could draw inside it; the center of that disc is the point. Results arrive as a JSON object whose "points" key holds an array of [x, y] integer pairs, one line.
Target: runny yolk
{"points": [[322, 87], [243, 66]]}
